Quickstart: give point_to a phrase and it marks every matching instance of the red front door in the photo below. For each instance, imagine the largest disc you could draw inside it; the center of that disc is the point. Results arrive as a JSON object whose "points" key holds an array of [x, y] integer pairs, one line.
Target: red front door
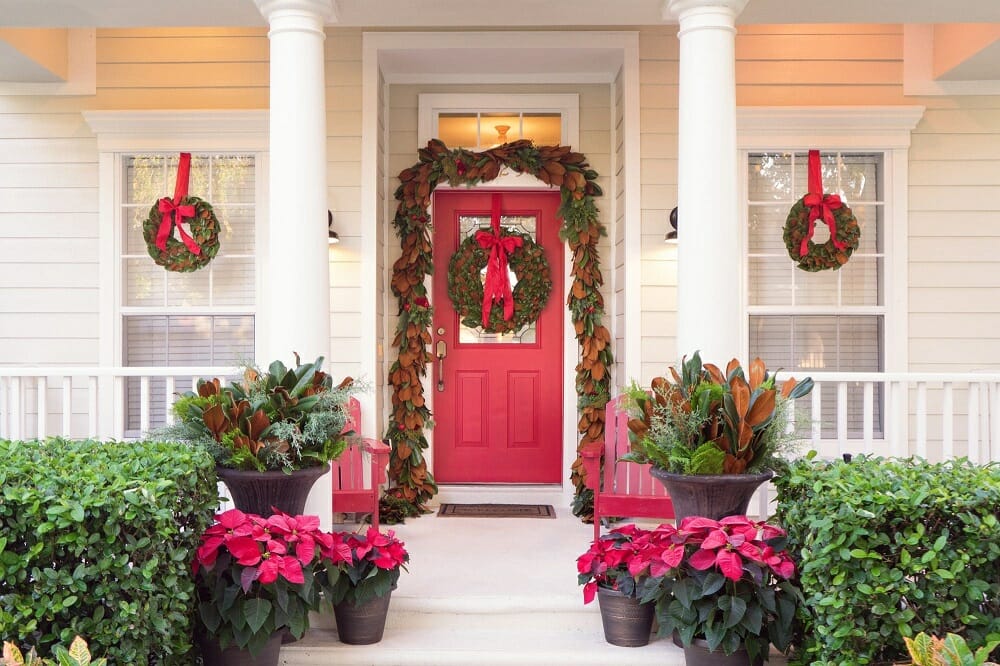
{"points": [[499, 416]]}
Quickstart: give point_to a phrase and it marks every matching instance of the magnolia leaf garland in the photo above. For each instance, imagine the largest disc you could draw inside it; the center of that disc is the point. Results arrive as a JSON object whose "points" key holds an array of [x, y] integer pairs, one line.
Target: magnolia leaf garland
{"points": [[558, 166], [531, 293]]}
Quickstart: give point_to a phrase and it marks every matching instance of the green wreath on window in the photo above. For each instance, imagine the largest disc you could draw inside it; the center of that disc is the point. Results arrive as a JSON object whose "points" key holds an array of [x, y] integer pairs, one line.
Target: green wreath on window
{"points": [[832, 254], [180, 255], [531, 293]]}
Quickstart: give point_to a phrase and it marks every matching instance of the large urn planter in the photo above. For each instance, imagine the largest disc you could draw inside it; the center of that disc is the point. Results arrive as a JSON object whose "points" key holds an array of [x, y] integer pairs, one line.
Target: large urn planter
{"points": [[213, 655], [256, 492], [362, 624], [710, 496], [627, 623]]}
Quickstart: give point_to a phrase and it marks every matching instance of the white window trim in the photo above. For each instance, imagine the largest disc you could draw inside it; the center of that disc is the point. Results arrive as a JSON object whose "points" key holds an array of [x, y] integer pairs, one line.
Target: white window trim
{"points": [[128, 132], [884, 129]]}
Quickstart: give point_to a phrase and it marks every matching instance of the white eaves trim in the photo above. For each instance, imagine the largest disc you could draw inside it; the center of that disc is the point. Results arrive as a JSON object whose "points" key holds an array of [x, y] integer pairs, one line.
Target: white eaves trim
{"points": [[137, 131], [82, 69], [840, 127], [918, 68]]}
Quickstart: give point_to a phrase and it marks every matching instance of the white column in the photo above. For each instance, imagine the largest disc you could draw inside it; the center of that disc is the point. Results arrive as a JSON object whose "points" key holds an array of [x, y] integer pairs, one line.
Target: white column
{"points": [[295, 296], [710, 265]]}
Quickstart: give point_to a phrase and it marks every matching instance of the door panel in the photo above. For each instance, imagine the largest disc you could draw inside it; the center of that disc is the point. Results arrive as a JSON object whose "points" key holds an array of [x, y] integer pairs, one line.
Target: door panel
{"points": [[499, 417]]}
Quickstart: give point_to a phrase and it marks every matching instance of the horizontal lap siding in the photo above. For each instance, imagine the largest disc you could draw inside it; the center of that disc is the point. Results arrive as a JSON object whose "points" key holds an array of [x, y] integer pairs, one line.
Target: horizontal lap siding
{"points": [[658, 70], [343, 127], [48, 233], [954, 244]]}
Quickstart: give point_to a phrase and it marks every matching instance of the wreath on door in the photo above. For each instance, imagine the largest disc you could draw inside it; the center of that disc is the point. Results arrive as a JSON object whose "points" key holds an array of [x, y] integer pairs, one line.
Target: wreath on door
{"points": [[557, 166], [479, 284]]}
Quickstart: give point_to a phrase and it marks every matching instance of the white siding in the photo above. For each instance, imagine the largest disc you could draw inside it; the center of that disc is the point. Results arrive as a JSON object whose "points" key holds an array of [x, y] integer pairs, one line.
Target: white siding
{"points": [[658, 67], [48, 233], [343, 127]]}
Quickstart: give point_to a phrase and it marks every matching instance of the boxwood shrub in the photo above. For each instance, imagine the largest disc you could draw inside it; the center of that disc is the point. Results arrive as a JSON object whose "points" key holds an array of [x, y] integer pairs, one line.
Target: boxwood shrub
{"points": [[96, 540], [889, 548]]}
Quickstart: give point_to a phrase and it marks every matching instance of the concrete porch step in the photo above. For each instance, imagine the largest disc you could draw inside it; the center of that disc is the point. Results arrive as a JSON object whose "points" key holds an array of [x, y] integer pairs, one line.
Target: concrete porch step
{"points": [[446, 645]]}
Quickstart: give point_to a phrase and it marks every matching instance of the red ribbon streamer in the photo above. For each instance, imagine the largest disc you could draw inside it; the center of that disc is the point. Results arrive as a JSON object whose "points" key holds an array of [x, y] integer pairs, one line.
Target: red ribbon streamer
{"points": [[820, 206], [497, 287], [172, 213]]}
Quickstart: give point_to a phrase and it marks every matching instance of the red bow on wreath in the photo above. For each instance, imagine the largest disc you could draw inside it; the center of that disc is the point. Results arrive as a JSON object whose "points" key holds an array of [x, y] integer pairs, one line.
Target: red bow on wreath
{"points": [[497, 287], [820, 206], [173, 213]]}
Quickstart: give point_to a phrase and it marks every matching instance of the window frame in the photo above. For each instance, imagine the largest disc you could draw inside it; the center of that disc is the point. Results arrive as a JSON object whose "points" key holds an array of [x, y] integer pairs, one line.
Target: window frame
{"points": [[121, 133], [846, 129]]}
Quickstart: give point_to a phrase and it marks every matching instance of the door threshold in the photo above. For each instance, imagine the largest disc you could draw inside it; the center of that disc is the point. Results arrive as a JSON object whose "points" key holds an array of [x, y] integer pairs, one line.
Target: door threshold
{"points": [[508, 493]]}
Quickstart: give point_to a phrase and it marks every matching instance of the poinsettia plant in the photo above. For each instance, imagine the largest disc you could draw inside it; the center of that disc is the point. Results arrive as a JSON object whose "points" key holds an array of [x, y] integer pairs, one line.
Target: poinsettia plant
{"points": [[620, 560], [256, 576], [725, 581], [369, 565]]}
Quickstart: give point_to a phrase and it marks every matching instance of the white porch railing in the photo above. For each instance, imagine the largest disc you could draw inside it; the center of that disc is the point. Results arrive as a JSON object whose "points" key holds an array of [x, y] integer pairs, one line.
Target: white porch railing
{"points": [[937, 416], [933, 415], [90, 402]]}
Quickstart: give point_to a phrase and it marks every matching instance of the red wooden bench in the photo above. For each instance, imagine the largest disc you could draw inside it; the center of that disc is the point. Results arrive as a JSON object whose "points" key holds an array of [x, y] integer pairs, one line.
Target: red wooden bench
{"points": [[350, 493], [626, 489]]}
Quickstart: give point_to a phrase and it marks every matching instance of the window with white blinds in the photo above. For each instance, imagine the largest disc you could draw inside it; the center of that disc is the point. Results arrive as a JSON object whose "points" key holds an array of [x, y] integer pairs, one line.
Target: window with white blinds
{"points": [[827, 321], [203, 318]]}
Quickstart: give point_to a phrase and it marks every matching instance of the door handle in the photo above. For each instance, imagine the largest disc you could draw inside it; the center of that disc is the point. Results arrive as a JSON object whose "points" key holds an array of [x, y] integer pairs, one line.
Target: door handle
{"points": [[441, 350]]}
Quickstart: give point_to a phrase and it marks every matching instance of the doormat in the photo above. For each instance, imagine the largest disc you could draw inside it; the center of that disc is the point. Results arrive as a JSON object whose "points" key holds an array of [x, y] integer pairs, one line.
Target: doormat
{"points": [[497, 510]]}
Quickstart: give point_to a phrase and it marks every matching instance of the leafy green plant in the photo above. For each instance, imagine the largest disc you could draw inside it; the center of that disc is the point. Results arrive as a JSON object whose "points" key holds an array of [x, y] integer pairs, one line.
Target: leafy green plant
{"points": [[78, 654], [888, 548], [706, 422], [285, 418], [951, 650], [96, 540]]}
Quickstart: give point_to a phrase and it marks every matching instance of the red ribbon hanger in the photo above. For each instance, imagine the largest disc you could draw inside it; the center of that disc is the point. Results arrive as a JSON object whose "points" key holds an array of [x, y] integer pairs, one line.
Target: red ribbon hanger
{"points": [[173, 214], [497, 287], [820, 206]]}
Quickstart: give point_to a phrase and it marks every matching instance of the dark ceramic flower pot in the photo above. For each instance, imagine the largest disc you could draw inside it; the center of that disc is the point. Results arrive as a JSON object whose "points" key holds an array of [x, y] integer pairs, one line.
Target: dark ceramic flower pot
{"points": [[710, 496], [627, 623], [257, 492], [697, 654], [213, 655], [362, 624]]}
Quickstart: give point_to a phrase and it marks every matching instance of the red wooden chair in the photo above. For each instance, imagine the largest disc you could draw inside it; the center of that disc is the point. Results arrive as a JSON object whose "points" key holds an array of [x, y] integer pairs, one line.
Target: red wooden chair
{"points": [[626, 489], [350, 494]]}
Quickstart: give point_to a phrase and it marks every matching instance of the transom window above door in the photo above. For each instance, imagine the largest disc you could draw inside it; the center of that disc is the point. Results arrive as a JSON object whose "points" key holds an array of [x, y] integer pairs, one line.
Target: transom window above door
{"points": [[484, 120], [481, 131]]}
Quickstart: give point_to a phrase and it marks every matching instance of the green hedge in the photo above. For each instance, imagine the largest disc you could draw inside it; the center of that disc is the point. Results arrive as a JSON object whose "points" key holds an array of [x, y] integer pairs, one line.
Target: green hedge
{"points": [[96, 540], [889, 548]]}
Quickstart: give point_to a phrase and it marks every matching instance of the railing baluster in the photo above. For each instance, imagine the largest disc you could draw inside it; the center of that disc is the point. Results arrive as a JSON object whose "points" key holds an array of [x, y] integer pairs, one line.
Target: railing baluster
{"points": [[118, 391], [869, 417], [3, 407], [168, 401], [922, 419], [92, 407], [972, 448], [947, 422], [842, 418], [15, 408], [994, 417], [817, 415], [144, 404], [898, 445], [67, 406], [41, 391]]}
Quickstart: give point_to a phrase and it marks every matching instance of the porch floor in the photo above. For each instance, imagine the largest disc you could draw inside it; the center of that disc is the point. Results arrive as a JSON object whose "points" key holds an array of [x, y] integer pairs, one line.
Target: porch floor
{"points": [[486, 591]]}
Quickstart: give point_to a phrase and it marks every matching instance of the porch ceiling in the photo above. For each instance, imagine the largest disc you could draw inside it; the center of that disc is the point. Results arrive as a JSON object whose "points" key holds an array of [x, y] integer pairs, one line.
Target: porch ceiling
{"points": [[481, 13]]}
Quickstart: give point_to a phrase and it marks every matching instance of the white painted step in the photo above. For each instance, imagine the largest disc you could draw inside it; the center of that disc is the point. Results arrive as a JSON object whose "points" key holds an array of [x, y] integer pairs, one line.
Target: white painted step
{"points": [[446, 645]]}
